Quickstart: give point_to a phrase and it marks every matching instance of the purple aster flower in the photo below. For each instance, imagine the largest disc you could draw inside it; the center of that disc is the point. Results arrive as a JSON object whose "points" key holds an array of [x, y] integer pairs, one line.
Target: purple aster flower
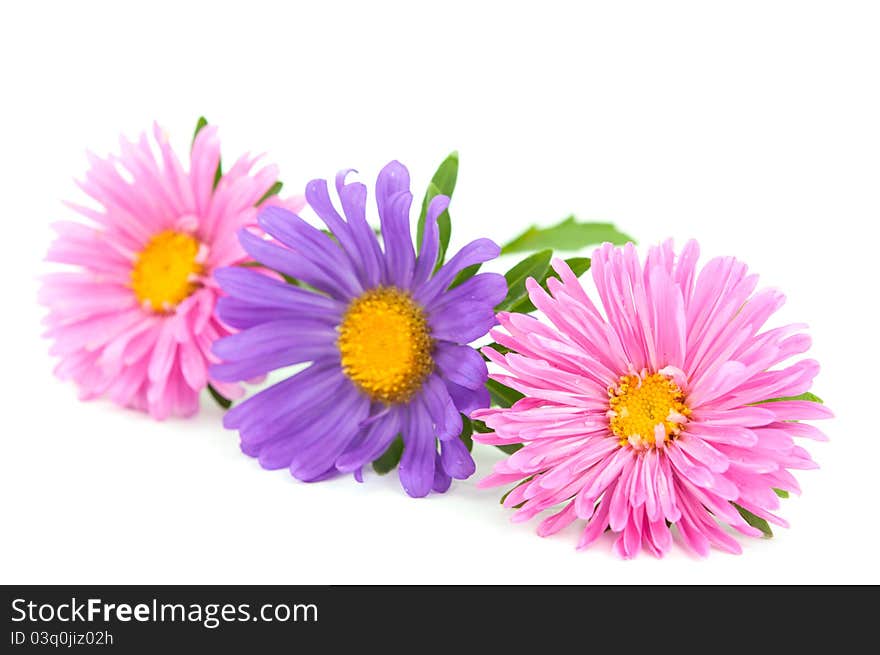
{"points": [[384, 334]]}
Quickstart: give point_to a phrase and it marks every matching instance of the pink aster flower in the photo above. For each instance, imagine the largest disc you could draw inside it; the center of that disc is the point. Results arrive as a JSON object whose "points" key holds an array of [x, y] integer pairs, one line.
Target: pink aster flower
{"points": [[652, 413], [132, 317]]}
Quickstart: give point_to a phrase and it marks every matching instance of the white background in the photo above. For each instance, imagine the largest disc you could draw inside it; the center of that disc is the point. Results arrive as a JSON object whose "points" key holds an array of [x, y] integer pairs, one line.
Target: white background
{"points": [[752, 126]]}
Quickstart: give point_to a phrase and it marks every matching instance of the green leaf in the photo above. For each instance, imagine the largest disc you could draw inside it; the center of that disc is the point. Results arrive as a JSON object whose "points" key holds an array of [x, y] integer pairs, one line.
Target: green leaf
{"points": [[804, 396], [287, 278], [442, 184], [390, 458], [578, 265], [509, 491], [501, 395], [333, 236], [754, 521], [444, 226], [568, 235], [221, 400], [202, 122], [782, 493], [535, 266], [465, 274], [481, 427], [217, 174], [199, 125], [497, 346], [273, 191], [467, 431]]}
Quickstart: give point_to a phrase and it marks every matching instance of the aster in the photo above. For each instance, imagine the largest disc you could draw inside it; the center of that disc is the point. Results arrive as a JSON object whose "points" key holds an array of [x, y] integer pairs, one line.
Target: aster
{"points": [[669, 409], [131, 312], [382, 329]]}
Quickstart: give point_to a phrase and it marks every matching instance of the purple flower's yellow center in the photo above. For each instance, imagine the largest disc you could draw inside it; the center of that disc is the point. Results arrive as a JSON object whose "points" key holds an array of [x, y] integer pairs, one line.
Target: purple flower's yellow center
{"points": [[165, 271], [646, 409], [385, 344]]}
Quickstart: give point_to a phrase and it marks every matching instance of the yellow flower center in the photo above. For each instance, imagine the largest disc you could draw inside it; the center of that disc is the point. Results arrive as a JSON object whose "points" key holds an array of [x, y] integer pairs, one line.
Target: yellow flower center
{"points": [[385, 344], [164, 270], [641, 403]]}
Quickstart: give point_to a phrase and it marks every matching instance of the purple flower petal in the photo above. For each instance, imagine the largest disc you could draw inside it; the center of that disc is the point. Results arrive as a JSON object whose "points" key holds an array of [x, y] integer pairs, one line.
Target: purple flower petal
{"points": [[272, 401], [240, 314], [374, 441], [311, 244], [270, 346], [461, 364], [446, 417], [456, 459], [462, 323], [355, 236], [330, 473], [416, 470], [399, 253], [442, 481], [328, 439], [393, 200], [292, 264], [392, 179], [260, 289], [476, 252], [275, 445], [318, 198], [486, 288], [354, 199], [271, 337], [430, 241], [307, 409], [468, 400]]}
